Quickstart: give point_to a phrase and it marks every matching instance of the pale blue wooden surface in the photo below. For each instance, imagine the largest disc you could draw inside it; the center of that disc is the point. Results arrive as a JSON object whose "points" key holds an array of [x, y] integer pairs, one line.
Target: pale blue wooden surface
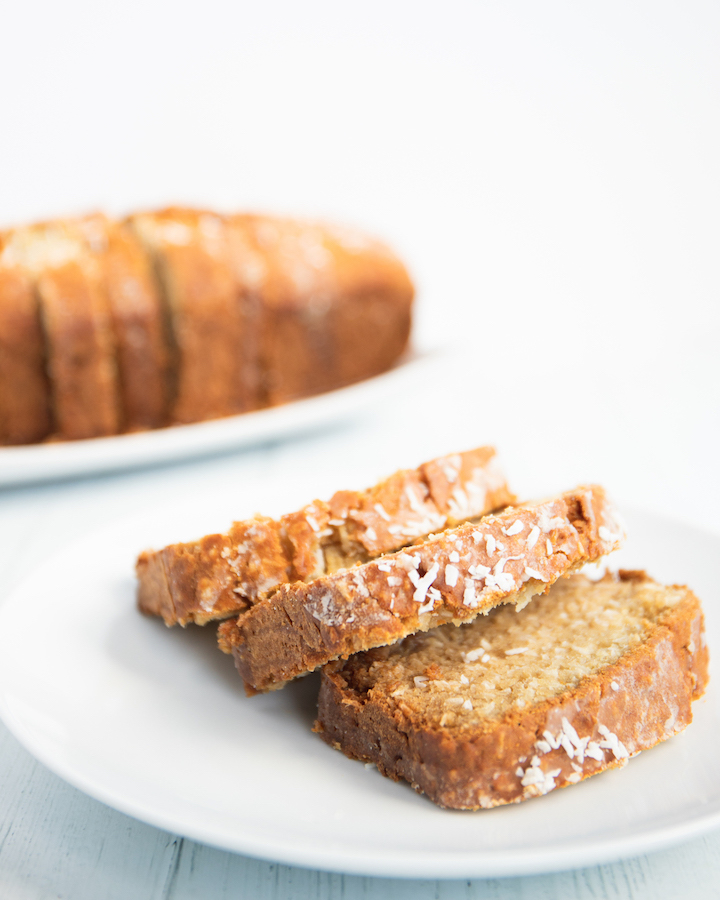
{"points": [[56, 842]]}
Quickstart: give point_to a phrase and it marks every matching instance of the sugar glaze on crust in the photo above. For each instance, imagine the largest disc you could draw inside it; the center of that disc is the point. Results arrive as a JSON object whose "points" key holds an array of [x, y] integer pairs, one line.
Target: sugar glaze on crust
{"points": [[643, 698], [455, 576]]}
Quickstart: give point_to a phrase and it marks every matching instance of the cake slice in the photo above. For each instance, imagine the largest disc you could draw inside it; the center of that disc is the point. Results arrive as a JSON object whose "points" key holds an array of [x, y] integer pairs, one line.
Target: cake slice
{"points": [[223, 574], [140, 331], [78, 329], [63, 262], [454, 576], [25, 415], [514, 705]]}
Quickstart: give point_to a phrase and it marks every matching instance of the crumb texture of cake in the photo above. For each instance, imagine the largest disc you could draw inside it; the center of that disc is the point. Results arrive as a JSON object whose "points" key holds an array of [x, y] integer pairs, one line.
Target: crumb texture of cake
{"points": [[516, 704], [183, 315], [455, 576], [223, 574]]}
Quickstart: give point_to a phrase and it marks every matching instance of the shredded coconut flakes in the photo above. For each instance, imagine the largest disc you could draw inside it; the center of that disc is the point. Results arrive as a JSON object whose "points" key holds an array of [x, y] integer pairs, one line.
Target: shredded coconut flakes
{"points": [[422, 585], [380, 510], [532, 538], [451, 575]]}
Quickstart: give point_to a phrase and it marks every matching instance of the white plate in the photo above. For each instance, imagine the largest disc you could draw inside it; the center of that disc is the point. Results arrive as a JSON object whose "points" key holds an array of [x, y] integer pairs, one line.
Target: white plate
{"points": [[153, 722], [47, 462]]}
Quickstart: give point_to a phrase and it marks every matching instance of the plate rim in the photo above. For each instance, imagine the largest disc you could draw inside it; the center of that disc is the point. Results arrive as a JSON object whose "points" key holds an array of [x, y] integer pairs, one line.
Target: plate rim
{"points": [[44, 462]]}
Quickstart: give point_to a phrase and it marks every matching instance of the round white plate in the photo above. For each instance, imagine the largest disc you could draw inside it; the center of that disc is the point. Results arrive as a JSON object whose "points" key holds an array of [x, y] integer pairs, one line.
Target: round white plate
{"points": [[47, 462], [154, 722]]}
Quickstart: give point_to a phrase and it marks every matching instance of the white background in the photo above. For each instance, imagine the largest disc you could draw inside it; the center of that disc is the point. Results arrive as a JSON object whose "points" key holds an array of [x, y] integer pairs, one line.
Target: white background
{"points": [[548, 170]]}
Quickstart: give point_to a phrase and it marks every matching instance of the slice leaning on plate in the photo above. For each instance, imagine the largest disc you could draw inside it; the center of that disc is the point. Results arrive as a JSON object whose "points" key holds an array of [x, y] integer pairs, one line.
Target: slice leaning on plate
{"points": [[451, 577], [514, 705], [222, 574]]}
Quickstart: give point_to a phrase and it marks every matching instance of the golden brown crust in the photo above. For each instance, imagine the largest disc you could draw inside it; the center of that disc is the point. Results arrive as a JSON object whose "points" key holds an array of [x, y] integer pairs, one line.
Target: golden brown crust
{"points": [[24, 391], [504, 558], [223, 574], [643, 698], [142, 352]]}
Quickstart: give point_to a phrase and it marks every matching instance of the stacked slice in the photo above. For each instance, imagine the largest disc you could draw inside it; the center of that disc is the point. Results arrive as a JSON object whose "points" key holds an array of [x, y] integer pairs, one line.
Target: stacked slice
{"points": [[416, 599], [184, 315], [224, 574], [451, 577]]}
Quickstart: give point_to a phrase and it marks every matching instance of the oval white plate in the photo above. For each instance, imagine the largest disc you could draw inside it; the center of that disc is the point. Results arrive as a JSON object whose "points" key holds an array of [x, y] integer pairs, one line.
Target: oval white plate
{"points": [[154, 722], [47, 462]]}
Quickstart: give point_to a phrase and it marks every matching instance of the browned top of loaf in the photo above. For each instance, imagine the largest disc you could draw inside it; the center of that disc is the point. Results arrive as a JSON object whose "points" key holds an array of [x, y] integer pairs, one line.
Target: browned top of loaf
{"points": [[222, 574], [303, 263], [513, 705], [454, 576]]}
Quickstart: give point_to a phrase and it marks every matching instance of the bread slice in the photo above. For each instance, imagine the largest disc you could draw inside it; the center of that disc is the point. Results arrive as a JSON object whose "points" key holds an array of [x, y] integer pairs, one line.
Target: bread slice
{"points": [[514, 705], [139, 329], [63, 261], [25, 415], [223, 574], [78, 330], [453, 576], [336, 305], [204, 308]]}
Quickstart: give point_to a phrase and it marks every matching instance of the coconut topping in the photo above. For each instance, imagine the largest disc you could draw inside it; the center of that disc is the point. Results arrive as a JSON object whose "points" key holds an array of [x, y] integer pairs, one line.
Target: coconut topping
{"points": [[422, 585], [451, 575]]}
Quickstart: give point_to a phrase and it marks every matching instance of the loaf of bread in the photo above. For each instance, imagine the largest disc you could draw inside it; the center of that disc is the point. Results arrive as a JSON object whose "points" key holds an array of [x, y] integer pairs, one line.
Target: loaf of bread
{"points": [[454, 576], [223, 574], [514, 705], [184, 315]]}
